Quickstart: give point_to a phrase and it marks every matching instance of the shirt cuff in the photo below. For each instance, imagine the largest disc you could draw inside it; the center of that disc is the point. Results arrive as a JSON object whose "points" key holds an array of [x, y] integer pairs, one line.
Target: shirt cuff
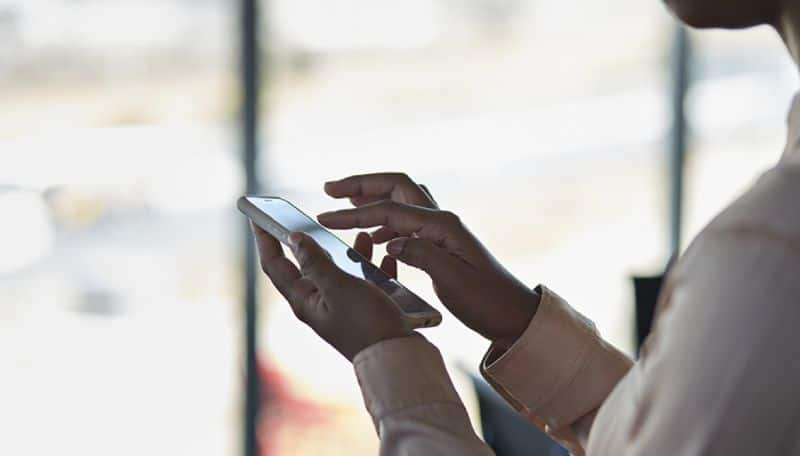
{"points": [[559, 369], [401, 373]]}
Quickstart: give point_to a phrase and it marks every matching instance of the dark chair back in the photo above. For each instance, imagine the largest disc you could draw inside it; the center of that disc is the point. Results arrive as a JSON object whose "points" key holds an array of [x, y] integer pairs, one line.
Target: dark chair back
{"points": [[507, 432]]}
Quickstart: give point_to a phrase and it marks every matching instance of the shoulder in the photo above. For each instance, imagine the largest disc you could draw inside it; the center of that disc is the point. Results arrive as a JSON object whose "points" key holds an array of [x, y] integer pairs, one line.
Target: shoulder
{"points": [[750, 253], [764, 219], [771, 206]]}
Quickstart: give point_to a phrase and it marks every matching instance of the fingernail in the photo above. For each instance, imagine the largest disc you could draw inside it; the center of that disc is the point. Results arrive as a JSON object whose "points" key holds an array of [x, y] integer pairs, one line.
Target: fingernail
{"points": [[323, 216], [294, 239], [396, 246]]}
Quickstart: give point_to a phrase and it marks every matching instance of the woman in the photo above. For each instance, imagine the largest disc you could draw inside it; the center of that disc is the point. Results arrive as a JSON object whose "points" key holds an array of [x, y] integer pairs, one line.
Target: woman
{"points": [[718, 376]]}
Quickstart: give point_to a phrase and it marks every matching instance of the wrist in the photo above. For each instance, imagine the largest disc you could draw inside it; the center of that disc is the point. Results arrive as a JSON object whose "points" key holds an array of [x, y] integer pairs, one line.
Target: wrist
{"points": [[525, 311], [368, 344]]}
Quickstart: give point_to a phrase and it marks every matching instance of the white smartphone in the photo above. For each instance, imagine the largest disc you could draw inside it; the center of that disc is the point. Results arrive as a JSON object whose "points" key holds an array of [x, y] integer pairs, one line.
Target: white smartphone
{"points": [[279, 217]]}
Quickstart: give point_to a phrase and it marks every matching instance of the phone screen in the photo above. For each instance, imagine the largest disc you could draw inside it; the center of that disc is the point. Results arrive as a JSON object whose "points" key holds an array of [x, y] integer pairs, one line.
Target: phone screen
{"points": [[344, 256]]}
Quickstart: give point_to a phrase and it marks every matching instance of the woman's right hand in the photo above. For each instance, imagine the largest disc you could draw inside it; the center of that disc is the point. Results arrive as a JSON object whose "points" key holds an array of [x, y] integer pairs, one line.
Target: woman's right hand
{"points": [[466, 277]]}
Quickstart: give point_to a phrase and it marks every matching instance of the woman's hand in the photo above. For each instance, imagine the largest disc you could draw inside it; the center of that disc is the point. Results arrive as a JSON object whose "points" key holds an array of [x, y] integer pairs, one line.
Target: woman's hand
{"points": [[466, 277], [349, 313]]}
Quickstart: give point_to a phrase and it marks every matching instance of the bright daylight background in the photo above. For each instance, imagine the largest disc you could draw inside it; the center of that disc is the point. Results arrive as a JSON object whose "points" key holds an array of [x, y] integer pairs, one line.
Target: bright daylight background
{"points": [[543, 123]]}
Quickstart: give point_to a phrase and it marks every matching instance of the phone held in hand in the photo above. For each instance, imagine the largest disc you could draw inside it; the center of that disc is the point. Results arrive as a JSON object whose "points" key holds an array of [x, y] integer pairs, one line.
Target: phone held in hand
{"points": [[279, 218]]}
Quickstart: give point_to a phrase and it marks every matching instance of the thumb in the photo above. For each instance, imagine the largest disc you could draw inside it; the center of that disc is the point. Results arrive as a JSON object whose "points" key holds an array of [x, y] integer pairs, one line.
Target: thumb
{"points": [[314, 261], [426, 255]]}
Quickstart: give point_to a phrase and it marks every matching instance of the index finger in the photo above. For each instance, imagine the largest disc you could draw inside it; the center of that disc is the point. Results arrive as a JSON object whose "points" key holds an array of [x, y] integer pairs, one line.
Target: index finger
{"points": [[403, 219], [369, 188]]}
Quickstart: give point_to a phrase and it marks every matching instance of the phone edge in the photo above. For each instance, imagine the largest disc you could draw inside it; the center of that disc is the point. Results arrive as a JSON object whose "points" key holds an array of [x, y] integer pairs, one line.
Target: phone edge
{"points": [[264, 221], [414, 320]]}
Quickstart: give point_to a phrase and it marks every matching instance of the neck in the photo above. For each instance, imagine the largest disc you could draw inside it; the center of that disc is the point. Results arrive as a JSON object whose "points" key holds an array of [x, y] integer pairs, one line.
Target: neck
{"points": [[788, 25]]}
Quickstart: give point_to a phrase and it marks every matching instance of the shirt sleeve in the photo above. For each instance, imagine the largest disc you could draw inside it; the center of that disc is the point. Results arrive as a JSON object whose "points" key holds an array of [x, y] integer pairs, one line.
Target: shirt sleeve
{"points": [[412, 401], [558, 373]]}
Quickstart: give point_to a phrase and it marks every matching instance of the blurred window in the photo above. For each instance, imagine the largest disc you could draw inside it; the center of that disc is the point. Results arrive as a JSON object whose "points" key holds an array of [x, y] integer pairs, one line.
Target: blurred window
{"points": [[542, 123], [119, 280], [744, 83]]}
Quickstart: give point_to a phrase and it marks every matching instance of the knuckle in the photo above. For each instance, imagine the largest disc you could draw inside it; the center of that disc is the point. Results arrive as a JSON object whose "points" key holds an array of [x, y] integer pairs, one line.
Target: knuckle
{"points": [[389, 205], [405, 178], [308, 261], [298, 313], [307, 310], [450, 218]]}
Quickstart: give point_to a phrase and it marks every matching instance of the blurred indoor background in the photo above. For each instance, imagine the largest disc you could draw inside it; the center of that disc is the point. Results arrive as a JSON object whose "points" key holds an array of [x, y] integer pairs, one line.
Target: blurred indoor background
{"points": [[545, 124]]}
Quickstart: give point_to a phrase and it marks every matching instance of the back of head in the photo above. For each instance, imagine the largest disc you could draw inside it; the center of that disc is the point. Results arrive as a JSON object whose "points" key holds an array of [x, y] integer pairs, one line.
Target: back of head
{"points": [[726, 13]]}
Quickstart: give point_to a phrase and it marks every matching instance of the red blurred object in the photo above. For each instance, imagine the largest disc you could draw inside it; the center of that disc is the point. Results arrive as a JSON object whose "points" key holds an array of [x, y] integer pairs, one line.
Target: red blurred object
{"points": [[281, 408]]}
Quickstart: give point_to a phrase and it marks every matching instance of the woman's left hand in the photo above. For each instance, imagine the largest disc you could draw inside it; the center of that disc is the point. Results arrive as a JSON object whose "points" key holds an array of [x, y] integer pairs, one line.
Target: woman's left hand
{"points": [[349, 313]]}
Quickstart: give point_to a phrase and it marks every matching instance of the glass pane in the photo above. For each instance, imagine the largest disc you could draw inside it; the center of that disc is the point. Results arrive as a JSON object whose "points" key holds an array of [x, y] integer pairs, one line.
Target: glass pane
{"points": [[542, 123], [118, 173], [738, 108]]}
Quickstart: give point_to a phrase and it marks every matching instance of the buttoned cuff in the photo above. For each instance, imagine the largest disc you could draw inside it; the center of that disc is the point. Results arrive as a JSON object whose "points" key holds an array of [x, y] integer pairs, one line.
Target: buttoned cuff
{"points": [[559, 369], [401, 373]]}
